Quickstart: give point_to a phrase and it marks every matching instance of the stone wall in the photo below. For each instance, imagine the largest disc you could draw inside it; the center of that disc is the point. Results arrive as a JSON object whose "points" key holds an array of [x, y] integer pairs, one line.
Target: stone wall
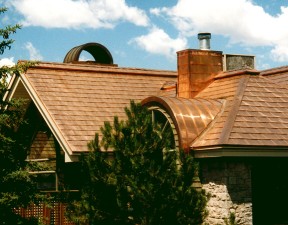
{"points": [[228, 182]]}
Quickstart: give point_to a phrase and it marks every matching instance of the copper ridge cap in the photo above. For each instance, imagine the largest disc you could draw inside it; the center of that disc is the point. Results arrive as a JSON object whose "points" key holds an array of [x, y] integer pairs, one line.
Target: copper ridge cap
{"points": [[102, 68], [275, 70], [237, 73]]}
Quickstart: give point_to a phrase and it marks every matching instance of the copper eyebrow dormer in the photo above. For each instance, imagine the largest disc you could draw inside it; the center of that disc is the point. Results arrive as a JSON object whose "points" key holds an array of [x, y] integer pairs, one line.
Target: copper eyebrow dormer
{"points": [[99, 52], [188, 117]]}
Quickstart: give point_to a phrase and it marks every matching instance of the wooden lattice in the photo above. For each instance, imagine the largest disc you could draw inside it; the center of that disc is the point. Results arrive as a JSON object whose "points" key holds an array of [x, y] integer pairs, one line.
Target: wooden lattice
{"points": [[54, 214]]}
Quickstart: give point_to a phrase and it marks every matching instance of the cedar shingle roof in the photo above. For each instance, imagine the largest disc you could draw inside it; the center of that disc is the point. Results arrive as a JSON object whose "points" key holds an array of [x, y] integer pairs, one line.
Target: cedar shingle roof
{"points": [[75, 100], [240, 111], [255, 113]]}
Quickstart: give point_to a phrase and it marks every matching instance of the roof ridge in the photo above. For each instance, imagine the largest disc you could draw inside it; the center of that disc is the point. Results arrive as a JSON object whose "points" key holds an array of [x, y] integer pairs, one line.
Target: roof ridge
{"points": [[231, 73], [274, 70], [104, 69], [232, 114]]}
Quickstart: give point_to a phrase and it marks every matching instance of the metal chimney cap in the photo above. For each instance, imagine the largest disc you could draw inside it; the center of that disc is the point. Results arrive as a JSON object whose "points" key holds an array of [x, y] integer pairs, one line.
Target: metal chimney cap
{"points": [[204, 41], [202, 36]]}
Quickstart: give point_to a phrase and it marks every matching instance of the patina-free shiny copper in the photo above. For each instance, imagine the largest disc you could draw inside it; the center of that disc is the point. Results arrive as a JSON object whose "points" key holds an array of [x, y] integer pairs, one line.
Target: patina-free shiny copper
{"points": [[196, 70], [190, 116], [99, 52]]}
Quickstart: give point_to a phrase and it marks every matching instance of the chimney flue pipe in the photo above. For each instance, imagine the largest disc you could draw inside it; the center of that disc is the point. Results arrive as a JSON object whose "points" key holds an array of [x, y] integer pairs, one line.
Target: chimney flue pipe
{"points": [[204, 41], [197, 68]]}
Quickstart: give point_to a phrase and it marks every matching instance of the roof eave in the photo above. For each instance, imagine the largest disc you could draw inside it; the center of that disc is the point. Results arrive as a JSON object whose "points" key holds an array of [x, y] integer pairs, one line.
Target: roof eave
{"points": [[11, 87], [239, 151]]}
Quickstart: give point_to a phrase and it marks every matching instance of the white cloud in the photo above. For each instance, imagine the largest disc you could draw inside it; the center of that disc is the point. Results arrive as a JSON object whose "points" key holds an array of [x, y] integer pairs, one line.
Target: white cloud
{"points": [[280, 52], [240, 20], [159, 42], [34, 54], [7, 62], [78, 14]]}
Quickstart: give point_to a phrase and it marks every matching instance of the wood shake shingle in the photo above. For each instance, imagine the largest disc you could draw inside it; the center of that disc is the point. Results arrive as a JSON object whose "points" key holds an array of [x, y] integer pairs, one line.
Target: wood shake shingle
{"points": [[77, 99], [255, 114], [243, 109]]}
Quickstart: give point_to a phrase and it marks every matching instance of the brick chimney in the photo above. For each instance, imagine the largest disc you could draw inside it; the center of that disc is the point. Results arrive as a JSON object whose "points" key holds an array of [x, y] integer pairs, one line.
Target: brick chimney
{"points": [[197, 67]]}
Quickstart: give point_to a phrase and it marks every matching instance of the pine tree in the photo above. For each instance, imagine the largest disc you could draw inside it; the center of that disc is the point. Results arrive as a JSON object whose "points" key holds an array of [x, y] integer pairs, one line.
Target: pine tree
{"points": [[17, 188], [137, 180]]}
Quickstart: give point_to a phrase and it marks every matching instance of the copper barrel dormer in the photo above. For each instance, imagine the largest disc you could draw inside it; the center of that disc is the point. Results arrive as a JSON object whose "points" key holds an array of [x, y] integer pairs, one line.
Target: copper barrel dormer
{"points": [[190, 117]]}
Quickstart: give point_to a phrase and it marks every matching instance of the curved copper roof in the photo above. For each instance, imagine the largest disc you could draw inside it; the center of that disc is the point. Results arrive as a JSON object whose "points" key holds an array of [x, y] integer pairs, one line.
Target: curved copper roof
{"points": [[190, 116], [99, 52]]}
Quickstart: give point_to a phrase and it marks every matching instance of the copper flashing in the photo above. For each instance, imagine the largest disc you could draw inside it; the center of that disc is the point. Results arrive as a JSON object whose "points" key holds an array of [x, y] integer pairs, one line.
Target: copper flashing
{"points": [[168, 85]]}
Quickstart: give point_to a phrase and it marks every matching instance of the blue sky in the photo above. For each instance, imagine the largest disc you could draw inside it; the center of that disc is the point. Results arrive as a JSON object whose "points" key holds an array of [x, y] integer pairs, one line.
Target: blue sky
{"points": [[148, 33]]}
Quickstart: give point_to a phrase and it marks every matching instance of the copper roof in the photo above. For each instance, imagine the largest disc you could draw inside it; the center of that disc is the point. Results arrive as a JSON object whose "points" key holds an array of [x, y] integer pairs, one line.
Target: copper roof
{"points": [[76, 99], [190, 116]]}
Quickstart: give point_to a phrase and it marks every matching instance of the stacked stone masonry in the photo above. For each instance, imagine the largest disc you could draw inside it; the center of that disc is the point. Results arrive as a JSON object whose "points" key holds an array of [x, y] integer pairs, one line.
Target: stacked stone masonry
{"points": [[229, 186]]}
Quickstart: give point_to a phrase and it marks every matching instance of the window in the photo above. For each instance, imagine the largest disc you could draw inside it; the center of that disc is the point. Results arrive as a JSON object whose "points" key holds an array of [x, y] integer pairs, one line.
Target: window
{"points": [[168, 129]]}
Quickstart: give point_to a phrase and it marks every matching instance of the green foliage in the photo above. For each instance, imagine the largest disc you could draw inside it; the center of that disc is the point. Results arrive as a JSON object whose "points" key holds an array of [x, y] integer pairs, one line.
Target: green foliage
{"points": [[232, 219], [5, 34], [137, 180], [17, 188]]}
